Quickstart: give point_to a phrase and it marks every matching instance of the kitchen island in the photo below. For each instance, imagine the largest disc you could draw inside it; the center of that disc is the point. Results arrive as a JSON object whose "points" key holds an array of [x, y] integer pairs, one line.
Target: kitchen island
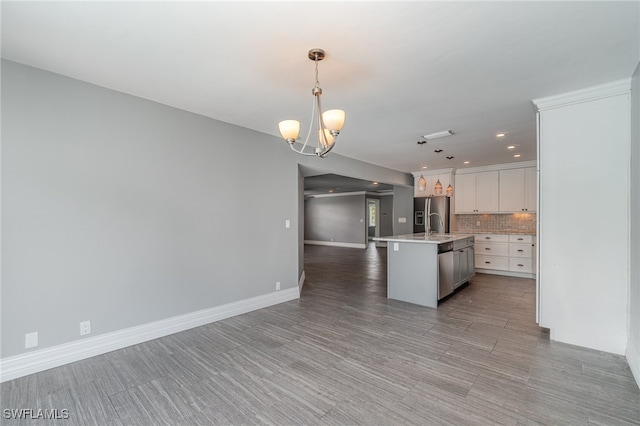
{"points": [[423, 268]]}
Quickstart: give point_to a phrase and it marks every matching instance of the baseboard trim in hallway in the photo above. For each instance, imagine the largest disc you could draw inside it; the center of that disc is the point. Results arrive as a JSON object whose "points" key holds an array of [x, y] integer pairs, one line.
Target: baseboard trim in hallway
{"points": [[44, 359]]}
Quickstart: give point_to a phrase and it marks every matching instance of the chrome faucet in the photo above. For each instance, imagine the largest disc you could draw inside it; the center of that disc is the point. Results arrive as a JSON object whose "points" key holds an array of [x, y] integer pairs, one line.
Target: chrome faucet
{"points": [[428, 222]]}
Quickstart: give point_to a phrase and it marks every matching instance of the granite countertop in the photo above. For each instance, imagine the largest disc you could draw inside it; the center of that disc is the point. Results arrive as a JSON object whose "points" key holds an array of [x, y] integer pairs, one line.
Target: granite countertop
{"points": [[424, 238]]}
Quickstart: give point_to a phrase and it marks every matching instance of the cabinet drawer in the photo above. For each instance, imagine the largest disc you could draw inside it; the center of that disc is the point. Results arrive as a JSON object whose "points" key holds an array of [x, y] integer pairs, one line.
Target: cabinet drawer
{"points": [[520, 238], [492, 237], [520, 250], [492, 249], [520, 265], [492, 262]]}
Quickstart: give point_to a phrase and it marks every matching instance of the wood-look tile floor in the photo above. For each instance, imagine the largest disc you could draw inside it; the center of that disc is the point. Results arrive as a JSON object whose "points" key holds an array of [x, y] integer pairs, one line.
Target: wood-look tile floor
{"points": [[343, 354]]}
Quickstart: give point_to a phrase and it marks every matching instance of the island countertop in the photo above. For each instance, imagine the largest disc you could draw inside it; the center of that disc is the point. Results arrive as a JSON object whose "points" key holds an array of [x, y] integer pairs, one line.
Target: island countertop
{"points": [[424, 238]]}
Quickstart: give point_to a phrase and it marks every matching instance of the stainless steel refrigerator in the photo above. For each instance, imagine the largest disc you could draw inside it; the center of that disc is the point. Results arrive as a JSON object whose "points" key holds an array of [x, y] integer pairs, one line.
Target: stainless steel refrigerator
{"points": [[436, 210]]}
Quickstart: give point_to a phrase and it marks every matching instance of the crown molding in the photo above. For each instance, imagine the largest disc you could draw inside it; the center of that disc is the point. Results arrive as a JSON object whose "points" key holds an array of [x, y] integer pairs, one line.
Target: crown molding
{"points": [[433, 172], [335, 194], [606, 90], [497, 167]]}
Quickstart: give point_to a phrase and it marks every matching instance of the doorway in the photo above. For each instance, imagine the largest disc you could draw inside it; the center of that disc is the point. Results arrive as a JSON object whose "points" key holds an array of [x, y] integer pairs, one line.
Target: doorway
{"points": [[373, 218]]}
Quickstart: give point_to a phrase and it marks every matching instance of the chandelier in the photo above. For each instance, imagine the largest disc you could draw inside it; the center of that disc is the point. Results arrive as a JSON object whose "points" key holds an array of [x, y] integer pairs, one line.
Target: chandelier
{"points": [[328, 123]]}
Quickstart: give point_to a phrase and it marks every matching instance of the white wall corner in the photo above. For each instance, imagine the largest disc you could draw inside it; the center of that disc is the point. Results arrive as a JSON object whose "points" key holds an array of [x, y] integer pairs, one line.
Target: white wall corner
{"points": [[301, 282], [633, 358], [55, 356]]}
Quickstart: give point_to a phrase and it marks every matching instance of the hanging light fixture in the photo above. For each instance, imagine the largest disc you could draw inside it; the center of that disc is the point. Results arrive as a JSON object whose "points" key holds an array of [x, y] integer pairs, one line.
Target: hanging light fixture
{"points": [[437, 189], [328, 123], [422, 182], [450, 188]]}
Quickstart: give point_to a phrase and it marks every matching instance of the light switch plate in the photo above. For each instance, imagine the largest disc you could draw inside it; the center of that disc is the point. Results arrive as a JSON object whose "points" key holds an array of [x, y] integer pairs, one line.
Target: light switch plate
{"points": [[396, 246]]}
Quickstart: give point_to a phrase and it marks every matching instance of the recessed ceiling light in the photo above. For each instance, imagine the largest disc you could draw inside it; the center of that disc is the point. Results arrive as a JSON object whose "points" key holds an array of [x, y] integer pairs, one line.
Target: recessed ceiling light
{"points": [[500, 135], [437, 135], [466, 162], [424, 167], [516, 155], [375, 183], [511, 147]]}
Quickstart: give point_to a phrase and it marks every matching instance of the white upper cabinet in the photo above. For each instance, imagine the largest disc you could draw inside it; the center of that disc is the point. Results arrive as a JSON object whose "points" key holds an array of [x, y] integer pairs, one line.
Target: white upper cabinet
{"points": [[477, 192], [487, 194], [518, 190], [465, 193]]}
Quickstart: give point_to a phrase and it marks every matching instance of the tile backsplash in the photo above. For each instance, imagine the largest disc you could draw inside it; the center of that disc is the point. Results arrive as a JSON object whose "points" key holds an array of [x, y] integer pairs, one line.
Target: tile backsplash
{"points": [[516, 222]]}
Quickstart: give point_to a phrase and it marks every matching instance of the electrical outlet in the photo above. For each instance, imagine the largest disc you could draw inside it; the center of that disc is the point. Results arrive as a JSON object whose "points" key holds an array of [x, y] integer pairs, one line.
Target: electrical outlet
{"points": [[477, 223], [278, 286], [85, 328], [31, 340]]}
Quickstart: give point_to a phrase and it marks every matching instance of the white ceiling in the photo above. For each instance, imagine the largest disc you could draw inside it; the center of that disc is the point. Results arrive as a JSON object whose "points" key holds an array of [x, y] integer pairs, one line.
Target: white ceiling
{"points": [[399, 69]]}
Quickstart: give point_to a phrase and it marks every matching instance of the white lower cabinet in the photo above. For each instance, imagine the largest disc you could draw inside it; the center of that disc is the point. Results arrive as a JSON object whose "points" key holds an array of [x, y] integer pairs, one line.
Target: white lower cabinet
{"points": [[497, 263], [505, 254], [520, 265]]}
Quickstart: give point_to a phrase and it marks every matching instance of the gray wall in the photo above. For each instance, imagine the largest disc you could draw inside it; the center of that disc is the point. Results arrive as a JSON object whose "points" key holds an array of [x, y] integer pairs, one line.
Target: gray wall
{"points": [[336, 219], [402, 210], [123, 211], [386, 215], [633, 352]]}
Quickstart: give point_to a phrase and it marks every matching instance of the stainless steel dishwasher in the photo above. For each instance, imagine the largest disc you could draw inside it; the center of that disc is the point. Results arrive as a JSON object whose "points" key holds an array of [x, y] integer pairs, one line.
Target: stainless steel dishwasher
{"points": [[446, 268]]}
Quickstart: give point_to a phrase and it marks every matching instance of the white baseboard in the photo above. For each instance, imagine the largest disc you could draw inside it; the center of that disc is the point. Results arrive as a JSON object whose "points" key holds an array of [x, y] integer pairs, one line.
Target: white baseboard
{"points": [[55, 356], [505, 273], [633, 359], [301, 281], [335, 244]]}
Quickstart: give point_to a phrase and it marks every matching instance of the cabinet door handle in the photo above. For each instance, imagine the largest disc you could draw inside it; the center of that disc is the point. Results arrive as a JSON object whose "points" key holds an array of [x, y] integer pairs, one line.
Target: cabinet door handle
{"points": [[487, 248], [519, 239], [520, 264], [520, 250], [487, 238], [487, 262]]}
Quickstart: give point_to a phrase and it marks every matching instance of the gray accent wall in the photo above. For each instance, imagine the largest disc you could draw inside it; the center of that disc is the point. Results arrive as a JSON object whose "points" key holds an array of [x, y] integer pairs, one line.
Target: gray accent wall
{"points": [[338, 219], [402, 210], [123, 211], [386, 216]]}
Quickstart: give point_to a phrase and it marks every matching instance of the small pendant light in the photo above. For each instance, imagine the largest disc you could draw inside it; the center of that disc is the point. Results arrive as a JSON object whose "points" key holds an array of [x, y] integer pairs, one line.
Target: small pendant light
{"points": [[450, 188], [422, 182], [437, 189]]}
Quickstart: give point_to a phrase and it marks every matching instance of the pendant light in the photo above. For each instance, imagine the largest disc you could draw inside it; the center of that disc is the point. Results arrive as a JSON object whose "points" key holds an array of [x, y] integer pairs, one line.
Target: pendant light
{"points": [[422, 182], [450, 188], [328, 123], [437, 189]]}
